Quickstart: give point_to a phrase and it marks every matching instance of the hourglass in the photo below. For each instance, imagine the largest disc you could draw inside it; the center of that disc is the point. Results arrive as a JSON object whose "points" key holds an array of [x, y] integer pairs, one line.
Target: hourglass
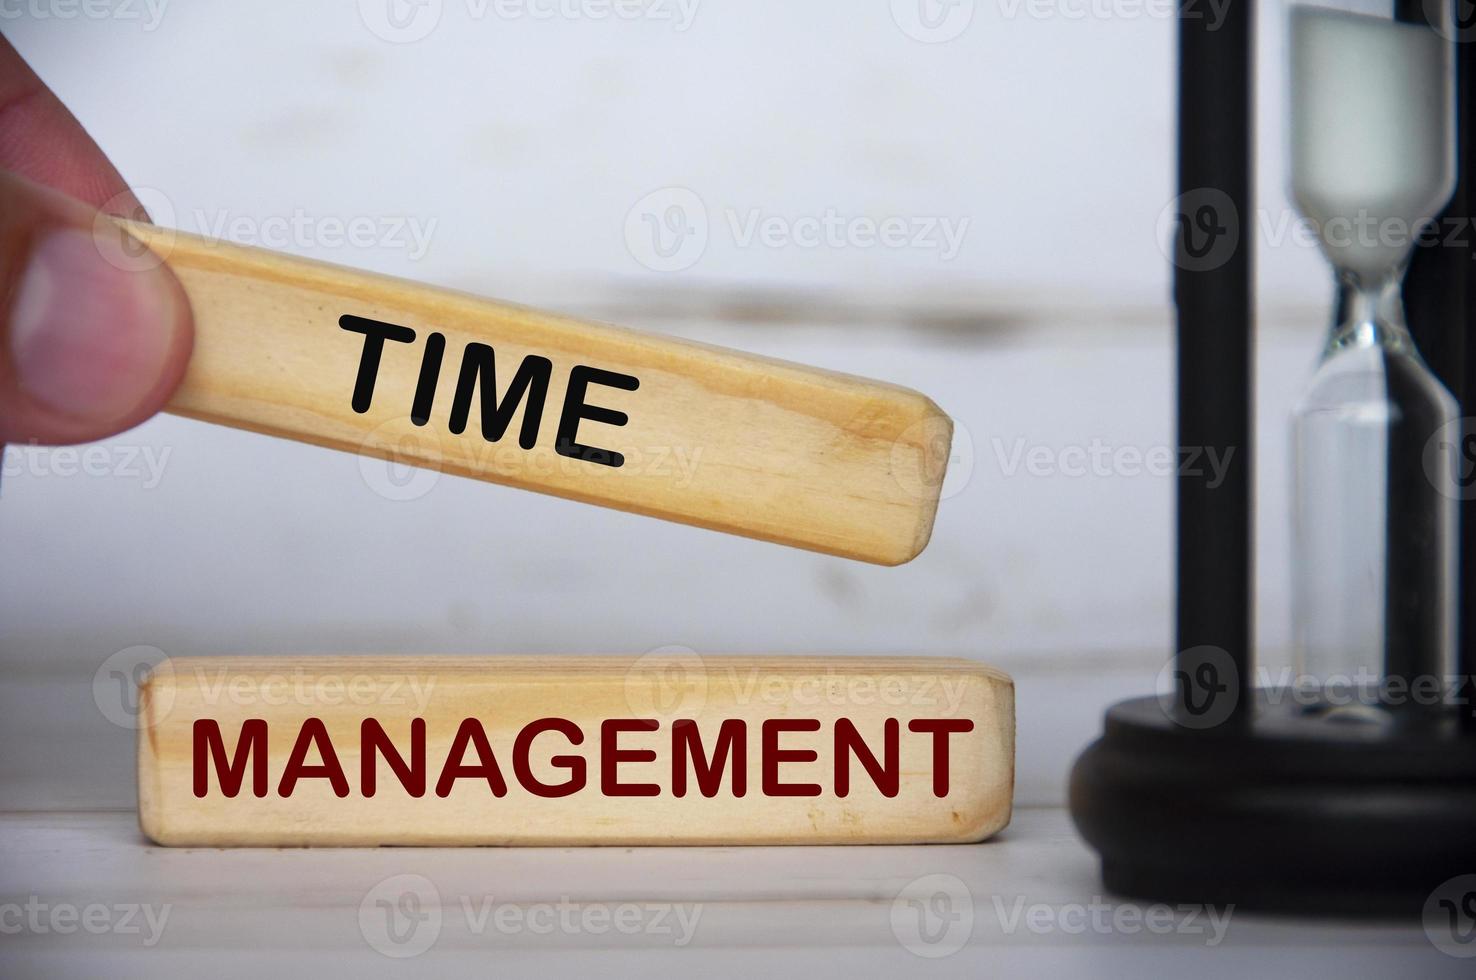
{"points": [[1373, 162], [1354, 789]]}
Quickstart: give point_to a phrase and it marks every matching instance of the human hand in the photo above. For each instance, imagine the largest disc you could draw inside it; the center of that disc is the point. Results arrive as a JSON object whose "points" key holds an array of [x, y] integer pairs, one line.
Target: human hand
{"points": [[92, 344]]}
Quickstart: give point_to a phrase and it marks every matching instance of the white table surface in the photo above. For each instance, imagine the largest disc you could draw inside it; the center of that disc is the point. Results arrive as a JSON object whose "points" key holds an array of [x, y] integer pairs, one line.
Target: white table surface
{"points": [[1028, 902]]}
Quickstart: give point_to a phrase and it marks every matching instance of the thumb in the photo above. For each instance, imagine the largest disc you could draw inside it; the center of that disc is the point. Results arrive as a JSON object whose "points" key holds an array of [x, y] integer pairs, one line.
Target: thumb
{"points": [[92, 340]]}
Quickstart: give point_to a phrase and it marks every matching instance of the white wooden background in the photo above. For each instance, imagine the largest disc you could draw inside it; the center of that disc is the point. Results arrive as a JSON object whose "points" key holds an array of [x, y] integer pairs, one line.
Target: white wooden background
{"points": [[530, 147], [522, 145]]}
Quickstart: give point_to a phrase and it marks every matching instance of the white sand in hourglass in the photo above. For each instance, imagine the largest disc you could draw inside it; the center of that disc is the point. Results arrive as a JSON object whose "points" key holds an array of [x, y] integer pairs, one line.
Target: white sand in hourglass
{"points": [[1372, 148]]}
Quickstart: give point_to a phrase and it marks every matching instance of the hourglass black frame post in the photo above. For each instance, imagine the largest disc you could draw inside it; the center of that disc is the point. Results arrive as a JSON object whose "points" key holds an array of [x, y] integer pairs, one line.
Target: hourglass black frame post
{"points": [[1439, 302], [1222, 792], [1213, 291]]}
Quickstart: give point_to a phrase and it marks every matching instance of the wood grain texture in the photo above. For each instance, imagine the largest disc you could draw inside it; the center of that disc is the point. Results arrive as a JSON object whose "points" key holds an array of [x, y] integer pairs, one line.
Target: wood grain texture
{"points": [[503, 695], [712, 437]]}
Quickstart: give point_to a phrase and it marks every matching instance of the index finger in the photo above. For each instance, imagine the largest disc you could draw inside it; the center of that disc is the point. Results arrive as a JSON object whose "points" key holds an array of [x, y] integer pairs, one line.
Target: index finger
{"points": [[41, 140]]}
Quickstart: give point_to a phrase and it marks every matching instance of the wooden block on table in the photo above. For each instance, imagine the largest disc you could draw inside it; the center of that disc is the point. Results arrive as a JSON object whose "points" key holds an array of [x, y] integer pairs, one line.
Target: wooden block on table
{"points": [[669, 748], [640, 422]]}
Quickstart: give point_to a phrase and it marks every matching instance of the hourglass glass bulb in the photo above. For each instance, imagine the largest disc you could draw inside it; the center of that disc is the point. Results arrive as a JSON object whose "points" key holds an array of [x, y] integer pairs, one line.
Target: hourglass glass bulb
{"points": [[1374, 538]]}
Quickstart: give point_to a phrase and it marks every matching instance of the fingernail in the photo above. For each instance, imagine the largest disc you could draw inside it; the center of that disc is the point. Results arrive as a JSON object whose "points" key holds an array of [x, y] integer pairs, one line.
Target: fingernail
{"points": [[90, 338]]}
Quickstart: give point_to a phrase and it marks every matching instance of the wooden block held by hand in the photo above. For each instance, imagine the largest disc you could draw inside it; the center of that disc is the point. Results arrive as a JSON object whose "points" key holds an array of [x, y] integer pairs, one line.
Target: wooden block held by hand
{"points": [[667, 428], [669, 748]]}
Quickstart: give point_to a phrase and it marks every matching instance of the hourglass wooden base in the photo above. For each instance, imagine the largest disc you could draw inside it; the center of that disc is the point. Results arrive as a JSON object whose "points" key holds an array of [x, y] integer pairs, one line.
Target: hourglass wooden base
{"points": [[1283, 812]]}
